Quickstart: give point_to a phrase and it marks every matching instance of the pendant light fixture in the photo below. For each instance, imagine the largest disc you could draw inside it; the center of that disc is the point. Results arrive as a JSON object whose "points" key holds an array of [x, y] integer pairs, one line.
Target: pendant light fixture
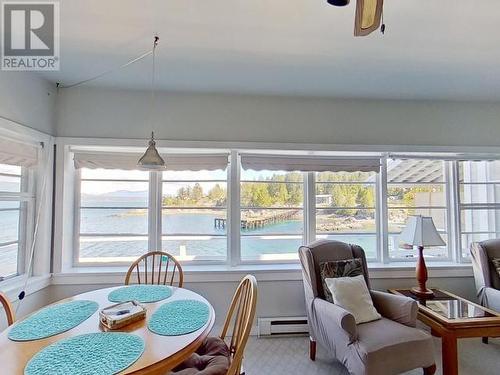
{"points": [[151, 160]]}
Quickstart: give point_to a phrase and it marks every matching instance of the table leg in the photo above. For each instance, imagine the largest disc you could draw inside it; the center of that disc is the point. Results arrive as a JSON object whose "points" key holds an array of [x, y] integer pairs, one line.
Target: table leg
{"points": [[450, 358]]}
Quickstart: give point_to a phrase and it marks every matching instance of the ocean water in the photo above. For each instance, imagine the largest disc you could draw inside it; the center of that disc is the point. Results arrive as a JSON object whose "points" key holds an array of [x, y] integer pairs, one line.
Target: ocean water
{"points": [[280, 238]]}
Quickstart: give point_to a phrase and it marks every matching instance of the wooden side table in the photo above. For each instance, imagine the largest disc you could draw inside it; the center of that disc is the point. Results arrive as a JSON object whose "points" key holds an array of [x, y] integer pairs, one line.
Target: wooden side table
{"points": [[452, 317]]}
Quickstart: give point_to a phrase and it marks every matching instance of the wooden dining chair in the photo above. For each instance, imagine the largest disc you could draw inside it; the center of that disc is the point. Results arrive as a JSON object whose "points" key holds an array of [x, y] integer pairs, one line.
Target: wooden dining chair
{"points": [[216, 356], [7, 306], [240, 315], [155, 267]]}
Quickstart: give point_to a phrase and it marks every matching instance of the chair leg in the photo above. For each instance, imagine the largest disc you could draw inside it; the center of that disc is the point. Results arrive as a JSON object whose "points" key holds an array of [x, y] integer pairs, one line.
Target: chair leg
{"points": [[430, 370], [312, 349], [485, 340]]}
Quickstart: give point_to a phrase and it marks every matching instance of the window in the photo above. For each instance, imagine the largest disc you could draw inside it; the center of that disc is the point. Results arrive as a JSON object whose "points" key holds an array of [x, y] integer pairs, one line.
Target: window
{"points": [[346, 208], [416, 187], [113, 215], [15, 198], [479, 194], [272, 214], [194, 214], [284, 201]]}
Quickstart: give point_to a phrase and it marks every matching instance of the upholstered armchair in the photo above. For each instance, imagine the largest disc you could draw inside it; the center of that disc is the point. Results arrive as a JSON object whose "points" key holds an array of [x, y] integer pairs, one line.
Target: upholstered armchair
{"points": [[485, 275], [390, 345]]}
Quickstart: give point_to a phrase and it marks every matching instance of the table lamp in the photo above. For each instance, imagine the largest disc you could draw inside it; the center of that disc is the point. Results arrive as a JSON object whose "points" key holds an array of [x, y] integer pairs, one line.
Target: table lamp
{"points": [[421, 231]]}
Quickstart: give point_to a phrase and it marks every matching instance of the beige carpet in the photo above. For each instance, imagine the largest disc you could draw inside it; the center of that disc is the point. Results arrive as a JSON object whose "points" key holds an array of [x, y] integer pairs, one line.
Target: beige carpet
{"points": [[289, 356]]}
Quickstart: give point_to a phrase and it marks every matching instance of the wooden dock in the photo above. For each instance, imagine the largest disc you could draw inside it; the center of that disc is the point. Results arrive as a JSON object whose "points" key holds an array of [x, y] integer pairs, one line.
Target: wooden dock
{"points": [[259, 222]]}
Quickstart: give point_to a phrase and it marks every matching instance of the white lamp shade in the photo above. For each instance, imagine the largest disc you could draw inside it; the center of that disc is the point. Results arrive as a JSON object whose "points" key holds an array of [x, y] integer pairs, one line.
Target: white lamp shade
{"points": [[421, 231]]}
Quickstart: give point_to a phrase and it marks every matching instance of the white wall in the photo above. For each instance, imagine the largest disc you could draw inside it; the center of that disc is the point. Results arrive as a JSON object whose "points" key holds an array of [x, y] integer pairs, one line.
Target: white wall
{"points": [[92, 112], [28, 99]]}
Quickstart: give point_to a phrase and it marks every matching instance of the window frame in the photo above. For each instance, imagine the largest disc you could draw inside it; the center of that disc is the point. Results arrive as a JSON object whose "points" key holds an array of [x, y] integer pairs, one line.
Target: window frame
{"points": [[449, 187], [159, 216], [27, 200], [237, 252], [460, 207], [376, 208], [77, 220], [453, 208]]}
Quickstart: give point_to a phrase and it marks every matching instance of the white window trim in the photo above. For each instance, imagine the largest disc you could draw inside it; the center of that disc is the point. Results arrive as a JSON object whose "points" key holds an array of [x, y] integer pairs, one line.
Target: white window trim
{"points": [[468, 206], [27, 200], [155, 207], [450, 234], [34, 200]]}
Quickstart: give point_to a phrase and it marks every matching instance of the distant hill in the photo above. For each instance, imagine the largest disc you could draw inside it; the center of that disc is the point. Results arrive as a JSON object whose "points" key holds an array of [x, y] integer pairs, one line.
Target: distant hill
{"points": [[119, 194]]}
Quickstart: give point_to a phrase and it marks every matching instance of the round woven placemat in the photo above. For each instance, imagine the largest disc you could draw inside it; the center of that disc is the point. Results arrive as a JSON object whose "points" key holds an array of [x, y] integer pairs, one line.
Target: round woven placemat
{"points": [[179, 318], [102, 353], [53, 320], [140, 293]]}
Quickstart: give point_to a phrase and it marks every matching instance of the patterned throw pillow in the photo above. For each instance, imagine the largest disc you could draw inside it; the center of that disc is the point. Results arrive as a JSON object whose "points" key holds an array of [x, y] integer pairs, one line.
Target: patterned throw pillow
{"points": [[339, 268], [496, 264]]}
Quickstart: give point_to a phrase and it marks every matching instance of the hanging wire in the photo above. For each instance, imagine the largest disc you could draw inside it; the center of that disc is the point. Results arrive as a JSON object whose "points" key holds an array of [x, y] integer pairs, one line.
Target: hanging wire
{"points": [[153, 76], [128, 63], [22, 293]]}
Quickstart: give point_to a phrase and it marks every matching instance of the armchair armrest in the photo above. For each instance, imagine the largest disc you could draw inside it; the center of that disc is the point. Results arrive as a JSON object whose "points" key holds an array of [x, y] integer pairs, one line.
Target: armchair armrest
{"points": [[401, 309], [334, 319], [491, 298]]}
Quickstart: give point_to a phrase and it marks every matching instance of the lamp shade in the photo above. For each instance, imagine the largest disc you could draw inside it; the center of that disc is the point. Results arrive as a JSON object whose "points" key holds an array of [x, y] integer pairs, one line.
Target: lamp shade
{"points": [[151, 160], [421, 231]]}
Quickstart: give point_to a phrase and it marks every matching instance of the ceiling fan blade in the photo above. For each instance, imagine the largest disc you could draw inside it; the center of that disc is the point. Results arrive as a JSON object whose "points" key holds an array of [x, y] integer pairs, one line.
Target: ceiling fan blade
{"points": [[368, 16]]}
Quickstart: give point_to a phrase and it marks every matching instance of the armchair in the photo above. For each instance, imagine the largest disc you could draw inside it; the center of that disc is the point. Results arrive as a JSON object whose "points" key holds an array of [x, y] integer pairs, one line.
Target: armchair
{"points": [[485, 275], [390, 345]]}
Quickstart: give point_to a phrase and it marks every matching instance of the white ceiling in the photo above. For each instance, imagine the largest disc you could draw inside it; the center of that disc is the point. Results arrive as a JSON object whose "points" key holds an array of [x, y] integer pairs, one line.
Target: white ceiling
{"points": [[432, 49]]}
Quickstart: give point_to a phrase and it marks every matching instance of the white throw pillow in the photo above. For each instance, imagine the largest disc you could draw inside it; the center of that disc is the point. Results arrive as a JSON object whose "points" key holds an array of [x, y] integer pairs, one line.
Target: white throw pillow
{"points": [[352, 294]]}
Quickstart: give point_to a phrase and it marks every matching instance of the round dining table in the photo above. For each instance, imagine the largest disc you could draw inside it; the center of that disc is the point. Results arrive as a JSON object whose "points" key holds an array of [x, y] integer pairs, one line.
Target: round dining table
{"points": [[161, 353]]}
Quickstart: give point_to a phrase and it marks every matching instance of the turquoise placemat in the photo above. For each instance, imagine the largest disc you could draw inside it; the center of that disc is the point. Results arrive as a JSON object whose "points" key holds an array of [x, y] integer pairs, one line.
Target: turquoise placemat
{"points": [[179, 318], [140, 293], [102, 353], [53, 320]]}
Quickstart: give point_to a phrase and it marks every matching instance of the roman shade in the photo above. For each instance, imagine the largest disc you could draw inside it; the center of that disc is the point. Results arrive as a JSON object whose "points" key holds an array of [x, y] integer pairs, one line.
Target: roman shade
{"points": [[128, 161], [18, 153], [309, 163]]}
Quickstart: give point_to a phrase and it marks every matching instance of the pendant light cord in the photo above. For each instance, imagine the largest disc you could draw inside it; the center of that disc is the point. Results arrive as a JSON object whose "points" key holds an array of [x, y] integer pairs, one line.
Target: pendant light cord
{"points": [[110, 71], [153, 87]]}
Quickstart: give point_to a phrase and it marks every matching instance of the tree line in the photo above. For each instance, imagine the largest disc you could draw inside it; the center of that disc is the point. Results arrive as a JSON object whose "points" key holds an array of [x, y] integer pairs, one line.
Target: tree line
{"points": [[286, 190]]}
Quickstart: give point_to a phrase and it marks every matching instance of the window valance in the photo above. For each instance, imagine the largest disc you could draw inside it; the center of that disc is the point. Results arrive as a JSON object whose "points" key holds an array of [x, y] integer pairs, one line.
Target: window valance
{"points": [[309, 163], [18, 153], [128, 161]]}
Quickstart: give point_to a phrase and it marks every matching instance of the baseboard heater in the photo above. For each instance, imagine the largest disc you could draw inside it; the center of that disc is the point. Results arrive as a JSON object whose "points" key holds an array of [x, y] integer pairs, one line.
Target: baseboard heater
{"points": [[282, 326]]}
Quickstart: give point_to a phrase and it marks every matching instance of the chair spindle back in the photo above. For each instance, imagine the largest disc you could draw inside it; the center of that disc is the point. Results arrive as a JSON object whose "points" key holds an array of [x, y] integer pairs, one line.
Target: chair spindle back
{"points": [[155, 268]]}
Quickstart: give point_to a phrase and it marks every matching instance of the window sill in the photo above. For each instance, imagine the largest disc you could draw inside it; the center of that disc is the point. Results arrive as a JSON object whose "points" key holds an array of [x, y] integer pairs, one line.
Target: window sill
{"points": [[12, 287], [263, 272]]}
